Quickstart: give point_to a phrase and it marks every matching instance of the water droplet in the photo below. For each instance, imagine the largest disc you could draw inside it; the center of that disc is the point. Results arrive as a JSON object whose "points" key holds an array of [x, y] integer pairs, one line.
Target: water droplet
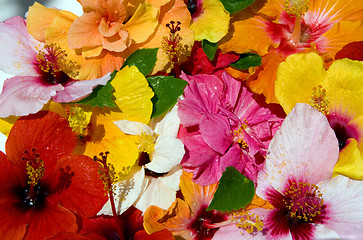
{"points": [[194, 204]]}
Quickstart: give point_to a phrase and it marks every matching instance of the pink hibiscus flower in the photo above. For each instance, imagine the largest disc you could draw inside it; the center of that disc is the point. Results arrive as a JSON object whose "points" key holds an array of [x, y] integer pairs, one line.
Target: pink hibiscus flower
{"points": [[224, 124], [41, 72], [296, 180]]}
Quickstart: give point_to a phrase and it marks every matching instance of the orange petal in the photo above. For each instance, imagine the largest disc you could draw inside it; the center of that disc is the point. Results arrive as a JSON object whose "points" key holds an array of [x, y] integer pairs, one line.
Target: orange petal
{"points": [[342, 33], [177, 218], [177, 12], [248, 34], [195, 195], [142, 23], [338, 10], [84, 31], [39, 18]]}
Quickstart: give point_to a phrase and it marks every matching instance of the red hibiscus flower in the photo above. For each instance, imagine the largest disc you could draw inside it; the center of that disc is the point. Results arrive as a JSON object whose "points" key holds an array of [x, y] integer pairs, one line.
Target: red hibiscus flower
{"points": [[43, 187]]}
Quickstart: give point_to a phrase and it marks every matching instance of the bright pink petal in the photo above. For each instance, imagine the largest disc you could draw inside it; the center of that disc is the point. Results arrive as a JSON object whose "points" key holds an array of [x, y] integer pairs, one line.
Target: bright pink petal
{"points": [[304, 144], [24, 95], [16, 49], [201, 95], [344, 197], [205, 162], [216, 132], [79, 89]]}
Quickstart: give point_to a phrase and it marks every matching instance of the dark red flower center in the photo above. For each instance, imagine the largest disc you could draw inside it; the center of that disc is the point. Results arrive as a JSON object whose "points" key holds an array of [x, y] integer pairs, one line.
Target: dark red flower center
{"points": [[296, 210], [31, 196], [342, 128], [52, 65], [204, 224]]}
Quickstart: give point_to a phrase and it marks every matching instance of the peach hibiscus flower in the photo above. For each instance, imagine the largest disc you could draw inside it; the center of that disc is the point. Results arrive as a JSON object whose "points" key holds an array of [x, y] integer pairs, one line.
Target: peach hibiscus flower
{"points": [[276, 29], [108, 31]]}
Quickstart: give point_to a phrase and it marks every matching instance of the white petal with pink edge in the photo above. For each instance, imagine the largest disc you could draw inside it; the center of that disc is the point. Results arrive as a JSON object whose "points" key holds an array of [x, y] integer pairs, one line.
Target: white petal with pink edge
{"points": [[304, 147], [24, 95], [19, 48], [344, 198], [79, 89]]}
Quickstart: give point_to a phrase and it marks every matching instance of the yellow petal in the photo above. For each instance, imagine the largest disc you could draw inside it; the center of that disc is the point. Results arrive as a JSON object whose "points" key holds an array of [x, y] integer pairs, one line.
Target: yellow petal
{"points": [[344, 86], [105, 136], [143, 23], [205, 26], [6, 124], [342, 33], [350, 162], [296, 78], [133, 94]]}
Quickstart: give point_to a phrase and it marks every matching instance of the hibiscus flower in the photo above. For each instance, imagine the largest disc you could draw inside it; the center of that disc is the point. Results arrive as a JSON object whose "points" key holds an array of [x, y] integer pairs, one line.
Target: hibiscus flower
{"points": [[43, 186], [336, 92], [154, 179], [296, 180], [41, 72], [109, 31], [224, 124], [278, 28]]}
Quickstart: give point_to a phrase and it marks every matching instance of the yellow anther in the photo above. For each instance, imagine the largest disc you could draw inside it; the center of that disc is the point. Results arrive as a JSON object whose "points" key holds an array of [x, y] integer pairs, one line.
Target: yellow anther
{"points": [[78, 119], [296, 8], [319, 100], [146, 143], [34, 170], [247, 221]]}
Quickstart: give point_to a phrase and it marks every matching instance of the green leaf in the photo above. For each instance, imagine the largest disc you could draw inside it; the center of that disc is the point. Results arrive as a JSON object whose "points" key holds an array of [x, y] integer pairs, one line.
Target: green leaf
{"points": [[209, 49], [167, 89], [143, 59], [247, 60], [234, 191], [101, 96], [233, 6]]}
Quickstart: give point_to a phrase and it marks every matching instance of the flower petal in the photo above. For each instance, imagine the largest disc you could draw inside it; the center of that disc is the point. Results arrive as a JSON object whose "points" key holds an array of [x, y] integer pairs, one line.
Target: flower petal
{"points": [[127, 192], [296, 78], [79, 89], [133, 128], [305, 142], [24, 95], [169, 125], [86, 194], [84, 31], [13, 223], [142, 23], [205, 25], [133, 94], [158, 192], [168, 153], [47, 132], [345, 210], [18, 47], [344, 86], [52, 220]]}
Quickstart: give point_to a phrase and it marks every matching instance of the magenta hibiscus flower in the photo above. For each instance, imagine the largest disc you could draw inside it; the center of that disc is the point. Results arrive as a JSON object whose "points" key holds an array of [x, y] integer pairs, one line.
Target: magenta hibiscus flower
{"points": [[40, 71], [224, 125], [296, 180]]}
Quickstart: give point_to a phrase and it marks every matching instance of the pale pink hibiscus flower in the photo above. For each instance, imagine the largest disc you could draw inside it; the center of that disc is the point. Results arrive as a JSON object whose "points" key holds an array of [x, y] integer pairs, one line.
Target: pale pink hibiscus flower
{"points": [[224, 124], [41, 72], [296, 180]]}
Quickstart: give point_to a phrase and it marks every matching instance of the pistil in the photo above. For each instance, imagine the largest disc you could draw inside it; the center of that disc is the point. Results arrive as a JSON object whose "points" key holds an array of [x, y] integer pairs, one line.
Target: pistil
{"points": [[109, 176], [297, 9]]}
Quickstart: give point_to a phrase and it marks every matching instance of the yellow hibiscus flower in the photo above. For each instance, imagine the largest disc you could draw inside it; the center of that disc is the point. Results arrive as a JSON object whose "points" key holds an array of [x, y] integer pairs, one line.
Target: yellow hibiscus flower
{"points": [[336, 92]]}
